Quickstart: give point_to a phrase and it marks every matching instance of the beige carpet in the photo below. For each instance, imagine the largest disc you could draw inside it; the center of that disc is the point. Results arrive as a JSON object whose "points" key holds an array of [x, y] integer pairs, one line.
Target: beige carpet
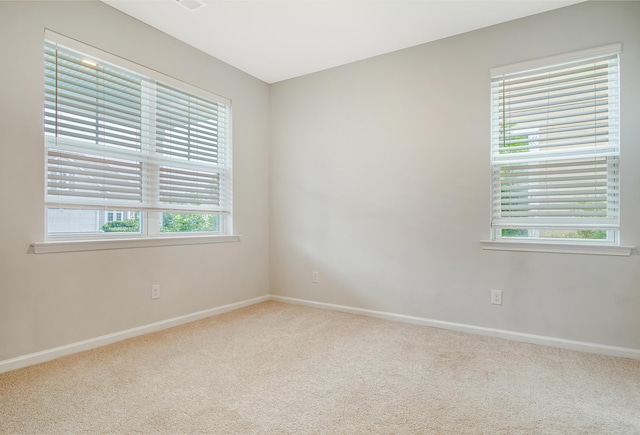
{"points": [[279, 368]]}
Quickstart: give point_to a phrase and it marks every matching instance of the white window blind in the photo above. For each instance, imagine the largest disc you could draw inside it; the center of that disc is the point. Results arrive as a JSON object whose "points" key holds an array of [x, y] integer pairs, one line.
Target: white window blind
{"points": [[556, 143], [117, 138]]}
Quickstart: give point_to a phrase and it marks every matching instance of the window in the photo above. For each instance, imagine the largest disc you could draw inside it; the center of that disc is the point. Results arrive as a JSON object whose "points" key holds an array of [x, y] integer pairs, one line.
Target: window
{"points": [[130, 151], [555, 149]]}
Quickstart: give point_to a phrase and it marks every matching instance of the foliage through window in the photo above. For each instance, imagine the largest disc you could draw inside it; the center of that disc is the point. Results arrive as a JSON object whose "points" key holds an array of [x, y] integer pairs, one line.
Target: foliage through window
{"points": [[130, 151], [555, 147]]}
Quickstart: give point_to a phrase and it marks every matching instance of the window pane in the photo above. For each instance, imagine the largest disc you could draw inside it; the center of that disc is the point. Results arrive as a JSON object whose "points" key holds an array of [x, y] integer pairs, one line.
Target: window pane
{"points": [[90, 101], [189, 223], [555, 148], [91, 222], [588, 234], [117, 138]]}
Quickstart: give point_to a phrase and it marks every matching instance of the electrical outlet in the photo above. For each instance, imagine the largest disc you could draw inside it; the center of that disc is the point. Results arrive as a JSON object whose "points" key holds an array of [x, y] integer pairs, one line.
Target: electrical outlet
{"points": [[155, 291], [496, 297], [315, 277]]}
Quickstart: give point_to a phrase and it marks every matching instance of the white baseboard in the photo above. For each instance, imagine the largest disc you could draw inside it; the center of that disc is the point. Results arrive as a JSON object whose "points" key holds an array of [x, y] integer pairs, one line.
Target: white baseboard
{"points": [[57, 352], [92, 343], [581, 346]]}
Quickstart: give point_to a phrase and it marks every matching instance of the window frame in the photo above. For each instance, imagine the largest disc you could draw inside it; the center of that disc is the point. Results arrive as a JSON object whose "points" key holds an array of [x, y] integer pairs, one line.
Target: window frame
{"points": [[541, 244], [150, 218]]}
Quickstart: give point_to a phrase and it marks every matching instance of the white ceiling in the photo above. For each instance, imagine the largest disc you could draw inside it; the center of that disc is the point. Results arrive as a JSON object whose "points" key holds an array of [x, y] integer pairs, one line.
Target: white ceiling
{"points": [[275, 40]]}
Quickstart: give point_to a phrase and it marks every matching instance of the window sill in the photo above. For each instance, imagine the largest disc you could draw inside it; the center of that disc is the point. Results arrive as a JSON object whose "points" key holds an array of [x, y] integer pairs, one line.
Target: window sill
{"points": [[98, 245], [558, 248]]}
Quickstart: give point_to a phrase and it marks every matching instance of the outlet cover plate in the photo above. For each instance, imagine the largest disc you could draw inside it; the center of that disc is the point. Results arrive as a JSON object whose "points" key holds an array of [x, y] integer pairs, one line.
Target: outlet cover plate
{"points": [[496, 297]]}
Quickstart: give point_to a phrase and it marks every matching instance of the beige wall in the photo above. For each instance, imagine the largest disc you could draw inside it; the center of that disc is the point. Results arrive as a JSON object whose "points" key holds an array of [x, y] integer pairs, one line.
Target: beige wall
{"points": [[380, 181], [55, 299]]}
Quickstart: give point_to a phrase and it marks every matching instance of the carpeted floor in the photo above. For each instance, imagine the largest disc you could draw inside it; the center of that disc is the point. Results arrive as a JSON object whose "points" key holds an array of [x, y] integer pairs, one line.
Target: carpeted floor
{"points": [[279, 368]]}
